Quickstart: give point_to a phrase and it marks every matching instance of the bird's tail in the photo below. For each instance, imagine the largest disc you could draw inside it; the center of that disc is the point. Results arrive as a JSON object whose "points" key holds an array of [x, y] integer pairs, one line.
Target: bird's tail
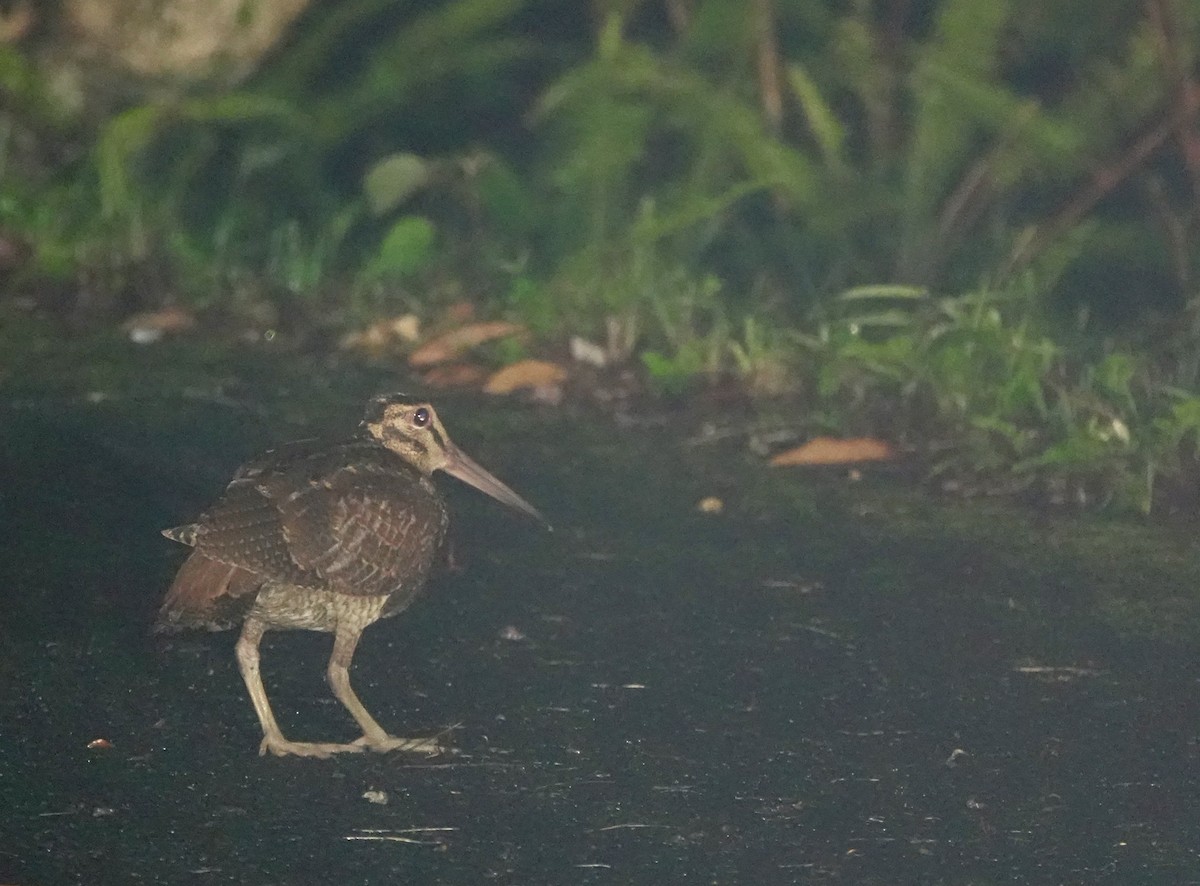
{"points": [[183, 534], [207, 594]]}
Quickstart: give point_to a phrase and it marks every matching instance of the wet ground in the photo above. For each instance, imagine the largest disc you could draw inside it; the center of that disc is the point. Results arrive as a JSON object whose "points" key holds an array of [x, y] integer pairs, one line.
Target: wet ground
{"points": [[827, 682]]}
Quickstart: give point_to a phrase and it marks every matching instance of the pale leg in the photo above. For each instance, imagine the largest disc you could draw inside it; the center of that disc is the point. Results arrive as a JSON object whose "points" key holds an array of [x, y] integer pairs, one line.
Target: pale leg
{"points": [[273, 740], [374, 736]]}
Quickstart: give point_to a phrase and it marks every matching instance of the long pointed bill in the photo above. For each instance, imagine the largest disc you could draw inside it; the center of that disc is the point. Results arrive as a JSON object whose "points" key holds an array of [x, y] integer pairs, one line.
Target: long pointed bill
{"points": [[465, 468]]}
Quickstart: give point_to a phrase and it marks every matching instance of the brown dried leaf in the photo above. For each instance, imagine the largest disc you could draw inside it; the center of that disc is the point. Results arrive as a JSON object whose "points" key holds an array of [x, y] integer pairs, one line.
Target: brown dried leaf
{"points": [[835, 451], [459, 313], [382, 334], [454, 343], [16, 21], [151, 326], [169, 319], [526, 374], [454, 375]]}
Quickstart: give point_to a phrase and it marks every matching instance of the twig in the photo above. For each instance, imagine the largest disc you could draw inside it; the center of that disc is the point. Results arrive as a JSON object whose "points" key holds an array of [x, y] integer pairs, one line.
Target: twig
{"points": [[1102, 182], [1165, 27], [379, 835], [768, 64]]}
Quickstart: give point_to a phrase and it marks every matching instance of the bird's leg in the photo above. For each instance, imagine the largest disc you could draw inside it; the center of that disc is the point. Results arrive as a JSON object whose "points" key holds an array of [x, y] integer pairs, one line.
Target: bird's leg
{"points": [[273, 740], [374, 736]]}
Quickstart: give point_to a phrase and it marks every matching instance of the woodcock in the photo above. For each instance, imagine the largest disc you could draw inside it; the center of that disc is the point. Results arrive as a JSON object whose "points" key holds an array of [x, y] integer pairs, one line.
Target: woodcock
{"points": [[329, 538]]}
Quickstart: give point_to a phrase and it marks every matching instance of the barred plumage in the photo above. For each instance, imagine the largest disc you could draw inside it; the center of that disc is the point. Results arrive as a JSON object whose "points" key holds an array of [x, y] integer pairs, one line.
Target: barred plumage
{"points": [[326, 539]]}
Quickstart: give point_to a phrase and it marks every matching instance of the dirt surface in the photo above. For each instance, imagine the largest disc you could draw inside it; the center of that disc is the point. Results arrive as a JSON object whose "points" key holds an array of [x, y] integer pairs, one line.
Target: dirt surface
{"points": [[824, 682]]}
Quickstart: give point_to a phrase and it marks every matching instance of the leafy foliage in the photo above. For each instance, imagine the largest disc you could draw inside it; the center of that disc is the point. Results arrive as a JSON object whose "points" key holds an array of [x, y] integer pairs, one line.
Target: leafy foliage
{"points": [[954, 219]]}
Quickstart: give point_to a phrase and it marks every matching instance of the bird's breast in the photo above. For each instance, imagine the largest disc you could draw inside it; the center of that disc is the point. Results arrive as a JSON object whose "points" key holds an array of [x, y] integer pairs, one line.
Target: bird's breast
{"points": [[287, 607]]}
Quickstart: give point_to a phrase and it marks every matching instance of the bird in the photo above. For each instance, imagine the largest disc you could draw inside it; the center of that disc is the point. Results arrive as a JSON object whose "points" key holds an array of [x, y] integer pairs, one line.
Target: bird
{"points": [[325, 538]]}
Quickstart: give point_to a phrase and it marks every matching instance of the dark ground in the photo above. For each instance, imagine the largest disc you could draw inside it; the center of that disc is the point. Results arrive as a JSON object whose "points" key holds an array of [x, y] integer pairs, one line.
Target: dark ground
{"points": [[828, 682]]}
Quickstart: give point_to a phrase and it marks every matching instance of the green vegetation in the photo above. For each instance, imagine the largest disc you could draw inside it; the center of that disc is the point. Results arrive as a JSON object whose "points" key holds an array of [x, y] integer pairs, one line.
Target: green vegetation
{"points": [[966, 225]]}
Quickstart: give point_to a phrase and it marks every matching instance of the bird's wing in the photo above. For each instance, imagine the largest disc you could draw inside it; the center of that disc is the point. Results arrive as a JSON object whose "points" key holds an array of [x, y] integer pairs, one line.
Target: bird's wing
{"points": [[364, 529], [280, 459], [245, 529]]}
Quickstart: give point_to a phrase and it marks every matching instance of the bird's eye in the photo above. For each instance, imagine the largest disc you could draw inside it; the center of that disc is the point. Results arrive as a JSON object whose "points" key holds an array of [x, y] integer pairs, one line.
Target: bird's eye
{"points": [[421, 417]]}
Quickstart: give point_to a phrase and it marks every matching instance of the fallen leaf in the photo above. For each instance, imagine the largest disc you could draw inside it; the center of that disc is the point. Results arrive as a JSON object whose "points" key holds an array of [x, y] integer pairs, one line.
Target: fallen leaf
{"points": [[526, 374], [99, 744], [955, 755], [16, 22], [151, 326], [835, 451], [406, 327], [382, 334], [454, 375], [710, 505], [584, 351], [460, 312], [454, 343], [14, 251]]}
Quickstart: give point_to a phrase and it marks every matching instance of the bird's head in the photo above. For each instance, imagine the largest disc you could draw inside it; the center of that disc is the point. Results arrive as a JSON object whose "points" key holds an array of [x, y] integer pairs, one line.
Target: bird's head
{"points": [[411, 428]]}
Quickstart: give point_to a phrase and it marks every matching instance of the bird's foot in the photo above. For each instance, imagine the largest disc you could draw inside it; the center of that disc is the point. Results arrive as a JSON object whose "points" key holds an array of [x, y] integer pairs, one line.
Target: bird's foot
{"points": [[279, 746], [384, 743]]}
